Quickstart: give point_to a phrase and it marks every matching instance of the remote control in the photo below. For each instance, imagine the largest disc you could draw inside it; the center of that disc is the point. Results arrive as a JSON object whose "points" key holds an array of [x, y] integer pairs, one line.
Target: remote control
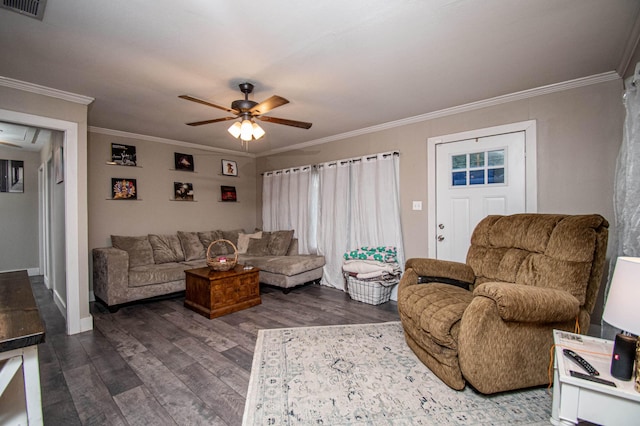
{"points": [[591, 378], [580, 361]]}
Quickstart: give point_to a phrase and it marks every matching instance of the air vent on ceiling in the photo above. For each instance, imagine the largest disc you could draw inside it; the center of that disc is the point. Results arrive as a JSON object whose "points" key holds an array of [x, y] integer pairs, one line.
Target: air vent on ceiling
{"points": [[31, 8]]}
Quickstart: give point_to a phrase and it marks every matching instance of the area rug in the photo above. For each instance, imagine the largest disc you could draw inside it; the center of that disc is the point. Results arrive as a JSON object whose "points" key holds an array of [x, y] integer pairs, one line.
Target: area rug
{"points": [[367, 375]]}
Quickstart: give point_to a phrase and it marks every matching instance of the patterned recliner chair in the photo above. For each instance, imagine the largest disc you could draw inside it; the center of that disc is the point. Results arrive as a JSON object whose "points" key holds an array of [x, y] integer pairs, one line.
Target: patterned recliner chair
{"points": [[527, 274]]}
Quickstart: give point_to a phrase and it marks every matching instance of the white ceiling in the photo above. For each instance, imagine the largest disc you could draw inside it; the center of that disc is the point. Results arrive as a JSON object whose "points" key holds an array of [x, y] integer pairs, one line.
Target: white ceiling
{"points": [[343, 65], [15, 136]]}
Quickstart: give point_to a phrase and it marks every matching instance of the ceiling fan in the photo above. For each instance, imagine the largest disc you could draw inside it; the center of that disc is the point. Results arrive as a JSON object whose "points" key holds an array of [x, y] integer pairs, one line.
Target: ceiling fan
{"points": [[247, 110]]}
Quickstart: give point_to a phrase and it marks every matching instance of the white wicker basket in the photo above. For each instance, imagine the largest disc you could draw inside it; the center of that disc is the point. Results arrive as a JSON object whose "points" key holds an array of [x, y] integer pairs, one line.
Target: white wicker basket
{"points": [[371, 292]]}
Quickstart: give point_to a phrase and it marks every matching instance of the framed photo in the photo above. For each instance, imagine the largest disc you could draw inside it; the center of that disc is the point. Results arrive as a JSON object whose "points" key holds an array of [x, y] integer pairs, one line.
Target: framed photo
{"points": [[58, 164], [229, 168], [183, 161], [183, 191], [228, 193], [123, 155], [124, 189], [11, 176]]}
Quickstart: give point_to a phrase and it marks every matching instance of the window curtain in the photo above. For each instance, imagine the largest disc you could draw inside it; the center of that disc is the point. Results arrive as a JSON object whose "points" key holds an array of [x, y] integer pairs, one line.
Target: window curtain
{"points": [[359, 206], [625, 239], [289, 201]]}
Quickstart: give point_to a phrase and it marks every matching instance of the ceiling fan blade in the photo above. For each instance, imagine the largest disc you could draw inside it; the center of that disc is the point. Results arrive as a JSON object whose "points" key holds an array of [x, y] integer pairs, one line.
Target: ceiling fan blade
{"points": [[300, 124], [215, 120], [200, 101], [267, 105]]}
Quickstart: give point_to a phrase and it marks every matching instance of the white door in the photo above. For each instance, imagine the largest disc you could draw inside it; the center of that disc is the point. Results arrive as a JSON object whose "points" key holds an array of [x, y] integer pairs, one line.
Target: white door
{"points": [[476, 178]]}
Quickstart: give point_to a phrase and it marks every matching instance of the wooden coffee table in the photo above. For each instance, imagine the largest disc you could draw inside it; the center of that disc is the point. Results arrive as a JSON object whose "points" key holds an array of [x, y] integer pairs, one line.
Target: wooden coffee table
{"points": [[213, 294]]}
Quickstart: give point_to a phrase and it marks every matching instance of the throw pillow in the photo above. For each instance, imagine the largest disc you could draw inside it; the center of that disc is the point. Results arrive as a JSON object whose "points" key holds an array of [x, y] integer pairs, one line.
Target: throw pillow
{"points": [[166, 248], [279, 242], [258, 247], [206, 238], [191, 245], [232, 236], [138, 248], [243, 241]]}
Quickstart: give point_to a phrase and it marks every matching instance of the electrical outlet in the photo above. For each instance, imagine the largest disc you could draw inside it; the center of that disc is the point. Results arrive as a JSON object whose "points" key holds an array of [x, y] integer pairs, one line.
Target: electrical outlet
{"points": [[417, 205]]}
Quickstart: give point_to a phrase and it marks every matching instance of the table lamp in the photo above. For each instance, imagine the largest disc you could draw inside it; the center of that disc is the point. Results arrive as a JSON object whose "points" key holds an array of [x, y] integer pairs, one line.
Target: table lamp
{"points": [[622, 311]]}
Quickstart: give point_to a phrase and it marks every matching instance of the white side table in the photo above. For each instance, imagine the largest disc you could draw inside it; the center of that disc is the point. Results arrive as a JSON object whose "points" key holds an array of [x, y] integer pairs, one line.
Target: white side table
{"points": [[578, 399]]}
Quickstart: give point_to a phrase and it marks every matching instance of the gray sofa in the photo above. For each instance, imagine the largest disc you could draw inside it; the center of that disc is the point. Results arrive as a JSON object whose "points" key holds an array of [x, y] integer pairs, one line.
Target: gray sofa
{"points": [[142, 267]]}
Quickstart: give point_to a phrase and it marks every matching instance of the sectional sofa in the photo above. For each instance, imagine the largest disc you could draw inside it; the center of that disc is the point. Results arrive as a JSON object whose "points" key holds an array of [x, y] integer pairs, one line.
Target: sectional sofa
{"points": [[142, 267]]}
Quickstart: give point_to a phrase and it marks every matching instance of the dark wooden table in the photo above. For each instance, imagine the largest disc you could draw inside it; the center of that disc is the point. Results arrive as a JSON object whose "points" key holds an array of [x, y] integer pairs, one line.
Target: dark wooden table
{"points": [[213, 294], [21, 329]]}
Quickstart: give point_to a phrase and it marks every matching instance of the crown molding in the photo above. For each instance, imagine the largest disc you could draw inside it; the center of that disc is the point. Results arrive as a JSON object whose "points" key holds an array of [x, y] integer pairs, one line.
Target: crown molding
{"points": [[498, 100], [46, 91], [119, 133]]}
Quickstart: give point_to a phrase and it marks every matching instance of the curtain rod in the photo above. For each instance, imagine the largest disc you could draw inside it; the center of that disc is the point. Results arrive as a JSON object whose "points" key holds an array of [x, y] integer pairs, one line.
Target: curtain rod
{"points": [[345, 161]]}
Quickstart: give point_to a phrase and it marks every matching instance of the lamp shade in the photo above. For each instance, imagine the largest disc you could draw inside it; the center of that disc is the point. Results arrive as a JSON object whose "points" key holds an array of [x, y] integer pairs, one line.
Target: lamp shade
{"points": [[258, 132], [246, 130], [622, 309], [235, 129]]}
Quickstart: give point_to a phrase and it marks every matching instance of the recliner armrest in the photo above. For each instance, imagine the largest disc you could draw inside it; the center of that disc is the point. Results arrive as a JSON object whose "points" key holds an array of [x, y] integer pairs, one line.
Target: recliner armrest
{"points": [[442, 271], [518, 302]]}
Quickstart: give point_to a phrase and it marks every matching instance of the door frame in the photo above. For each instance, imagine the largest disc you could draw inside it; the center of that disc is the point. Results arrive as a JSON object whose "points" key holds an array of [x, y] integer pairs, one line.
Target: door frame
{"points": [[531, 181], [76, 229]]}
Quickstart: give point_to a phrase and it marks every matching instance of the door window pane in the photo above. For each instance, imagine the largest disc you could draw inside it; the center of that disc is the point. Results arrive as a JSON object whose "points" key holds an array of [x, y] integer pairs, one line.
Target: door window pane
{"points": [[496, 158], [495, 175], [476, 159], [476, 177], [459, 161], [459, 178]]}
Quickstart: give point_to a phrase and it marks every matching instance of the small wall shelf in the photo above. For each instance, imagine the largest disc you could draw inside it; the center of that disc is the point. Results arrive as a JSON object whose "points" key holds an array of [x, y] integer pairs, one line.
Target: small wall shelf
{"points": [[111, 163]]}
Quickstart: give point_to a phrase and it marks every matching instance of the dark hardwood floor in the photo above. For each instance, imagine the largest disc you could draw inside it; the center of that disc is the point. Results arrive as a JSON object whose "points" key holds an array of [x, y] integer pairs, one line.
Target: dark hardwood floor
{"points": [[158, 363]]}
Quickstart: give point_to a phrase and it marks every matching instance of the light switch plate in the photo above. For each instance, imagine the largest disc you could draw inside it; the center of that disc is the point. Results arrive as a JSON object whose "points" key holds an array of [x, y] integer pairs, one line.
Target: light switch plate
{"points": [[417, 205]]}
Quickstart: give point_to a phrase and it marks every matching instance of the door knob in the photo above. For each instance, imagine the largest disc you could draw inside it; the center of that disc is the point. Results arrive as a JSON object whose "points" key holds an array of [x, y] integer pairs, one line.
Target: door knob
{"points": [[441, 226], [440, 237]]}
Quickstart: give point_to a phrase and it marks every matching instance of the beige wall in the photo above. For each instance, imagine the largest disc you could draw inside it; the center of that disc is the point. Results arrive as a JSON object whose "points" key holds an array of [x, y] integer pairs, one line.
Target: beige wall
{"points": [[579, 132], [19, 213], [578, 136], [154, 212]]}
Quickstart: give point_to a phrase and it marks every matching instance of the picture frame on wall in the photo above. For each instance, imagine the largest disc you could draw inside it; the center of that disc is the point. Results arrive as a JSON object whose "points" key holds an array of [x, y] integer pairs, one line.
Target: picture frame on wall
{"points": [[124, 189], [183, 161], [58, 164], [123, 155], [229, 168], [11, 176], [228, 193], [183, 191]]}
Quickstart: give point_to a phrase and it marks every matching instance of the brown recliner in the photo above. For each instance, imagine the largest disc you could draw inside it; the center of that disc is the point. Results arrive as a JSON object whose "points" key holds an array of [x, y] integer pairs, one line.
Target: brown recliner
{"points": [[527, 274]]}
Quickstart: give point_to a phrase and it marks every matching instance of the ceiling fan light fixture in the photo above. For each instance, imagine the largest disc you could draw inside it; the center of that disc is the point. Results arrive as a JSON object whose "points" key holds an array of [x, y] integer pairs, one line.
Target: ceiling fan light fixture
{"points": [[246, 130], [235, 129], [258, 131]]}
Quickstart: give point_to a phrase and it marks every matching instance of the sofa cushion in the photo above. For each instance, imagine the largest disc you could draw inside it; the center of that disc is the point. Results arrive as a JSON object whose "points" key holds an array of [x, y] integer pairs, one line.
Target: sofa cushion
{"points": [[138, 248], [206, 238], [166, 248], [279, 242], [437, 310], [258, 247], [156, 274], [191, 245], [243, 240], [286, 265], [232, 236]]}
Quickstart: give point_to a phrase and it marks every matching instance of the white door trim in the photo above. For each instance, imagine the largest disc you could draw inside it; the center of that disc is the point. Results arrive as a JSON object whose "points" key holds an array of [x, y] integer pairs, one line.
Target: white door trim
{"points": [[529, 127], [76, 230]]}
